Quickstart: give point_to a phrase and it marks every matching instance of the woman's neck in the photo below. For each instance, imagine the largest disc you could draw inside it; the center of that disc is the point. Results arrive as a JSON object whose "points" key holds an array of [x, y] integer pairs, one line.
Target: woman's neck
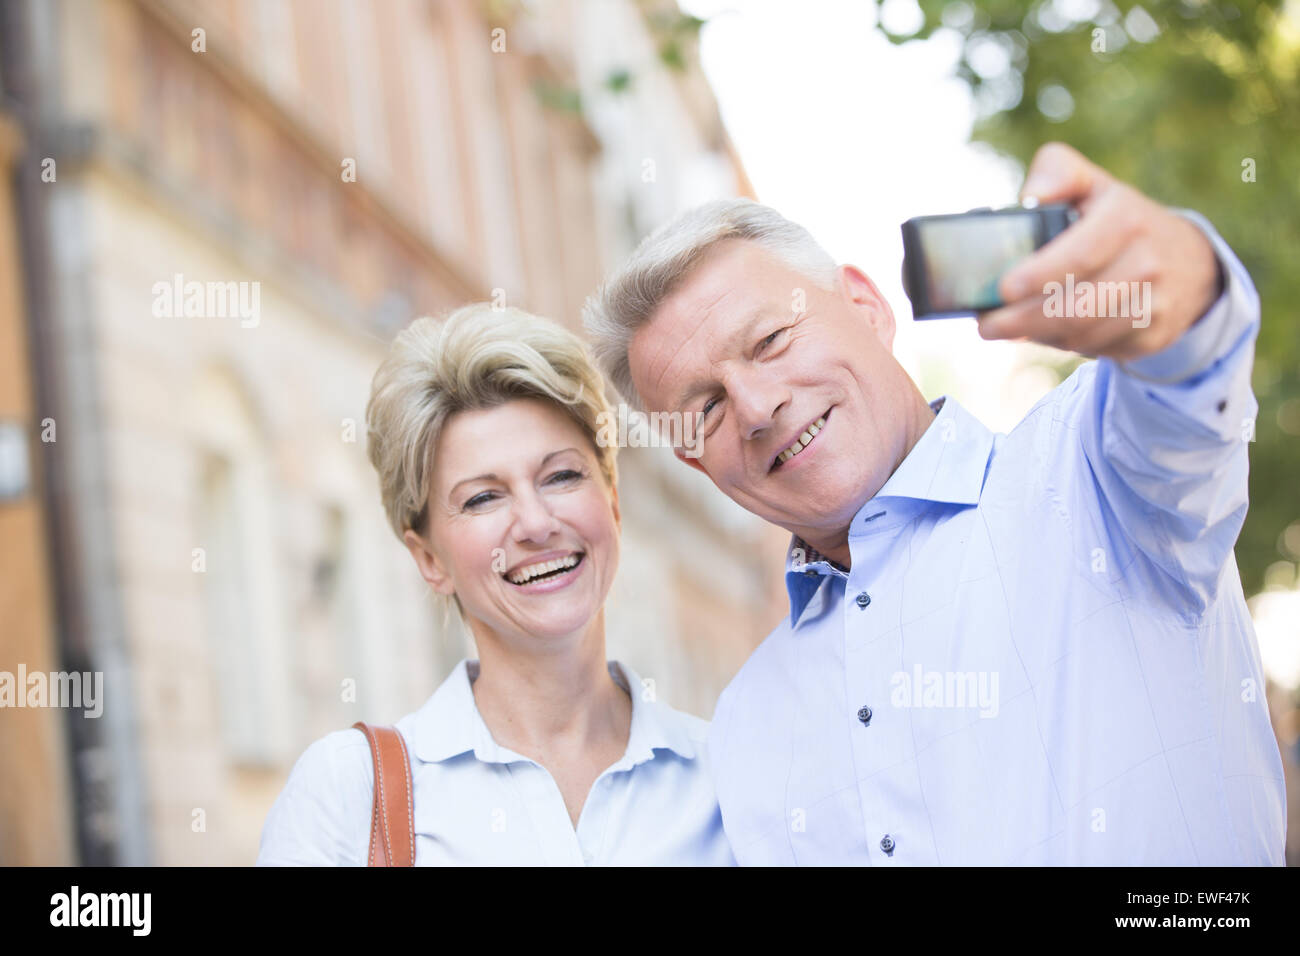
{"points": [[551, 702]]}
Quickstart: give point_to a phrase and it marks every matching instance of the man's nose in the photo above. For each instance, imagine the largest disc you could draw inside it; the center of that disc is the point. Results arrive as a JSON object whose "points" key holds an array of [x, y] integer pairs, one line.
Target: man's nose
{"points": [[756, 399]]}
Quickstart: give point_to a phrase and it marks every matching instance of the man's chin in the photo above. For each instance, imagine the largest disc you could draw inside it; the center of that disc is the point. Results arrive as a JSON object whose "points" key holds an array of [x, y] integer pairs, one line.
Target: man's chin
{"points": [[827, 514], [786, 504]]}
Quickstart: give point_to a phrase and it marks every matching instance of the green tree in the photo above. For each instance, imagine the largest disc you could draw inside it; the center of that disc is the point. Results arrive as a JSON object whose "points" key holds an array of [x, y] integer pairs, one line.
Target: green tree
{"points": [[1197, 104]]}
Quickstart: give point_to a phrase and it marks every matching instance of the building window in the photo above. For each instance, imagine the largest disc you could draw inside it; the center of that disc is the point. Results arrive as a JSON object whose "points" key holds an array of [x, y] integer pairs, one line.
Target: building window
{"points": [[235, 556]]}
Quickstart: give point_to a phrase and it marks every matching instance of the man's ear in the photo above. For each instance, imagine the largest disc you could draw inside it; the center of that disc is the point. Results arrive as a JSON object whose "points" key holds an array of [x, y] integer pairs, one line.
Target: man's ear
{"points": [[430, 564], [856, 286]]}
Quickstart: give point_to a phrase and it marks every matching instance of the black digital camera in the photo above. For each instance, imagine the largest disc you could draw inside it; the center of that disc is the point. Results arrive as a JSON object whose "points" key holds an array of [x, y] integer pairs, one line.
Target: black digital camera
{"points": [[952, 264]]}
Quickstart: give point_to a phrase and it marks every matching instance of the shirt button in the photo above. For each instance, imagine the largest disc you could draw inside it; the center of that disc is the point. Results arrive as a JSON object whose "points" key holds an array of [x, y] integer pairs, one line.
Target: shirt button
{"points": [[863, 599], [810, 574], [864, 715], [887, 844]]}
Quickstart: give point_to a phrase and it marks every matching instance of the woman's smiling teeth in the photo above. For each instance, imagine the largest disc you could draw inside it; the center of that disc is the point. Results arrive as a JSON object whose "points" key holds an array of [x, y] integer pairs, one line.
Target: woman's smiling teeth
{"points": [[526, 574], [802, 441]]}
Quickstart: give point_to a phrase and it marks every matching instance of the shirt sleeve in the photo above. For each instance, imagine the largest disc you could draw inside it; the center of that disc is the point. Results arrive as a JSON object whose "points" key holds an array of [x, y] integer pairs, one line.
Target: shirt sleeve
{"points": [[322, 817], [1167, 437]]}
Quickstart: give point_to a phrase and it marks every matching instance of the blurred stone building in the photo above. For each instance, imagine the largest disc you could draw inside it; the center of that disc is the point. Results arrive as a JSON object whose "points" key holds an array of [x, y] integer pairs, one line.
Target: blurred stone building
{"points": [[214, 217]]}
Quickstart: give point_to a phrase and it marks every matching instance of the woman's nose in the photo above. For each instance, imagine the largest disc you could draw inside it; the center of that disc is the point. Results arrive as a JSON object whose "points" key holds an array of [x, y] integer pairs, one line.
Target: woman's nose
{"points": [[534, 520]]}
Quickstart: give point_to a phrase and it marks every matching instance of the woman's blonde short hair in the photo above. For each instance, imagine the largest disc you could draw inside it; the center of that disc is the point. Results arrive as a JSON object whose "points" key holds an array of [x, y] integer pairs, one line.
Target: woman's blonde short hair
{"points": [[478, 357]]}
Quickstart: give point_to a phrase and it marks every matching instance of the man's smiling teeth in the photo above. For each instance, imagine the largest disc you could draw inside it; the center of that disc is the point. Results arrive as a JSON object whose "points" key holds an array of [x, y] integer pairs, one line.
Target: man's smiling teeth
{"points": [[523, 575], [802, 441]]}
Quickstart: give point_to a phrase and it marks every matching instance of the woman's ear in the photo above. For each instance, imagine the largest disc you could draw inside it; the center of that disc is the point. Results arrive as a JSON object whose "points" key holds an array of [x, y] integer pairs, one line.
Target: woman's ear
{"points": [[430, 565]]}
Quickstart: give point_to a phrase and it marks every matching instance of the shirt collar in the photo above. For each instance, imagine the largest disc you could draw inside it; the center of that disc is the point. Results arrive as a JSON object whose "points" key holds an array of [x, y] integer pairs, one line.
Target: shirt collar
{"points": [[947, 464], [449, 723]]}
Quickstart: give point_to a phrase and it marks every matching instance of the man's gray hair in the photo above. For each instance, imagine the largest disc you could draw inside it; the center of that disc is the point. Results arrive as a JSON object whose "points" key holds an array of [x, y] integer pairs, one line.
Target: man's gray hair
{"points": [[630, 296]]}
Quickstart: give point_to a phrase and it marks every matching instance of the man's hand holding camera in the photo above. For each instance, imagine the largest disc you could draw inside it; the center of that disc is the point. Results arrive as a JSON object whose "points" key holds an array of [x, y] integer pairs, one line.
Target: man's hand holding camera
{"points": [[1121, 236]]}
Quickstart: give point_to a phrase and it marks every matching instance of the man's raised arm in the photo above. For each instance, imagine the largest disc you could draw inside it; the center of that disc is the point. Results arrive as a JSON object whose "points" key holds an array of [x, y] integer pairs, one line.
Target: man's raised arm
{"points": [[1172, 410]]}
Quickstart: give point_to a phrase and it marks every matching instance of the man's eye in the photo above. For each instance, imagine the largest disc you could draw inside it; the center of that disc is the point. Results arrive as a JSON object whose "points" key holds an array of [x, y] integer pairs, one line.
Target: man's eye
{"points": [[769, 340], [708, 405]]}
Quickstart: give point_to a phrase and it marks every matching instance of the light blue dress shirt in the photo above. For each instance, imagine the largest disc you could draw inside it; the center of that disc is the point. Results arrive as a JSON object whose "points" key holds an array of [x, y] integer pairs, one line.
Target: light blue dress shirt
{"points": [[477, 803], [1041, 653]]}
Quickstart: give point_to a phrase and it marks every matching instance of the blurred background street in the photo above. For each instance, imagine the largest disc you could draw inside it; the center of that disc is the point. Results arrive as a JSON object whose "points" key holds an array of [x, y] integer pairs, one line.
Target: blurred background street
{"points": [[185, 500]]}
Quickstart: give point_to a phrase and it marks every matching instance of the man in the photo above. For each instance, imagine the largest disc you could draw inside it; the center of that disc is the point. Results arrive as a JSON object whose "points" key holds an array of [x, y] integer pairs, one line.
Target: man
{"points": [[1029, 648]]}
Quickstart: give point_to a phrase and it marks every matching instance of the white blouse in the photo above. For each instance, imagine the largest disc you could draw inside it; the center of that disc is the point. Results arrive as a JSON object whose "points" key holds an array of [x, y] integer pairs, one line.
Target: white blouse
{"points": [[478, 803]]}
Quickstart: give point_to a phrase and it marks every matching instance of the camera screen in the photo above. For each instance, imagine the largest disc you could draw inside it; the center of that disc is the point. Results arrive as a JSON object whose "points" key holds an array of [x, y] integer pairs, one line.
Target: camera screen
{"points": [[965, 256]]}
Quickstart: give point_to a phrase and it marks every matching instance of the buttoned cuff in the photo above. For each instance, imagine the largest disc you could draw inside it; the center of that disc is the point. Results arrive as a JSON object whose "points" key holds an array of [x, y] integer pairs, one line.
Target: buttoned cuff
{"points": [[1211, 336]]}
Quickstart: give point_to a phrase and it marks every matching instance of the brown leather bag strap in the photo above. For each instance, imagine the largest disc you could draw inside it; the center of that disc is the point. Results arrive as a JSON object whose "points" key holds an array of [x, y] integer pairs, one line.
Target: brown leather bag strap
{"points": [[392, 825]]}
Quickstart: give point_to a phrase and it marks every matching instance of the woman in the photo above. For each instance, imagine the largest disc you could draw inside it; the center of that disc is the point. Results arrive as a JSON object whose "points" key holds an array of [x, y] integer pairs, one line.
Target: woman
{"points": [[484, 431]]}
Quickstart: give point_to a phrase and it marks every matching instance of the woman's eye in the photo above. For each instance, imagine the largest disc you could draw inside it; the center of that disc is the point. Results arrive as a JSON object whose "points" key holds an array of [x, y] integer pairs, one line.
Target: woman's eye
{"points": [[709, 405], [567, 475], [482, 498]]}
